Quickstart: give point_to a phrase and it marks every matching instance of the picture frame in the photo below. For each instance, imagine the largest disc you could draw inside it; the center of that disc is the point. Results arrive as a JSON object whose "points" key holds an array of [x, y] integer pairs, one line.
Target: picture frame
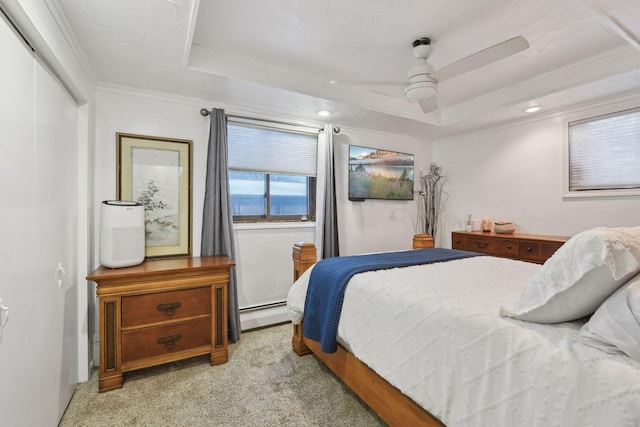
{"points": [[156, 172]]}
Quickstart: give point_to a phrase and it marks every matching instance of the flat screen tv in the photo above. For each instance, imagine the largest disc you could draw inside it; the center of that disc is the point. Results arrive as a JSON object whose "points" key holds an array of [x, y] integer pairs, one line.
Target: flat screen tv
{"points": [[379, 174]]}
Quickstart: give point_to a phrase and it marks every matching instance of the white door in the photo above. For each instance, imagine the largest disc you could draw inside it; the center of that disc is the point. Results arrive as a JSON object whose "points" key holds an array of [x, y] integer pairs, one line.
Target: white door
{"points": [[38, 193]]}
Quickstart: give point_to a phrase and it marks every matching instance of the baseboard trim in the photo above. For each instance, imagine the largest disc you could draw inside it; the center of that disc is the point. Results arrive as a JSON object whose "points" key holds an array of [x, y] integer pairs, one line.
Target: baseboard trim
{"points": [[264, 317]]}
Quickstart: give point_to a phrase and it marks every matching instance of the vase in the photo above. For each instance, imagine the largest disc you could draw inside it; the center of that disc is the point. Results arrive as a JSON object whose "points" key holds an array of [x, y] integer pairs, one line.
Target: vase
{"points": [[422, 241]]}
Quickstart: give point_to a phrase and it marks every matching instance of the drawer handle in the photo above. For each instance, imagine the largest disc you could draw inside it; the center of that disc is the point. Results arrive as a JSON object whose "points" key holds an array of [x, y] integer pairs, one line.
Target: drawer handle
{"points": [[457, 240], [508, 246], [169, 307], [528, 248], [482, 245], [169, 341]]}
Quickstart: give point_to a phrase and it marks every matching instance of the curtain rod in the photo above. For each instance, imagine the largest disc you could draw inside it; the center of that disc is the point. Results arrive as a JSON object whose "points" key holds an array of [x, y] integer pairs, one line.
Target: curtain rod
{"points": [[204, 112]]}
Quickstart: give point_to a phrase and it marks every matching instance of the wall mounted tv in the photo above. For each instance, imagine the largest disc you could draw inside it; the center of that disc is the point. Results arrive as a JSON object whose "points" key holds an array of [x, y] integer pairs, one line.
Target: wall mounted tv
{"points": [[379, 174]]}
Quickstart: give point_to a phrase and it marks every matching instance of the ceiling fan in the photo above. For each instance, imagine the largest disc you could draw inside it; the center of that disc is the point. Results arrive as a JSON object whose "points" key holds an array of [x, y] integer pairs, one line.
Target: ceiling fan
{"points": [[422, 80]]}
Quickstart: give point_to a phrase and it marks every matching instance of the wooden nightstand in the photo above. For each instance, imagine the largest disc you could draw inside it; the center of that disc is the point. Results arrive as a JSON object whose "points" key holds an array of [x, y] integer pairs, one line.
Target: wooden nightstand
{"points": [[161, 311], [526, 247]]}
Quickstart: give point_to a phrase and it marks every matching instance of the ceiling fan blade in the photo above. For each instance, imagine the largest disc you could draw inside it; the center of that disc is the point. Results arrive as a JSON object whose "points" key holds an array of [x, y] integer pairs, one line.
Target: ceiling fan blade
{"points": [[482, 58], [365, 83], [428, 105]]}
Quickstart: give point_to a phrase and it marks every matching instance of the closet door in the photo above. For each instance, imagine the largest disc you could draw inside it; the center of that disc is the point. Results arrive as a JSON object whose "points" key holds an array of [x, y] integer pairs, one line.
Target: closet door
{"points": [[56, 237], [38, 193]]}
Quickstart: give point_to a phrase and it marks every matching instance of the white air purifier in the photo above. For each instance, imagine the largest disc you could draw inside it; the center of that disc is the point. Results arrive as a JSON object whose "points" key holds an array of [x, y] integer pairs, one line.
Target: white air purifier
{"points": [[121, 233]]}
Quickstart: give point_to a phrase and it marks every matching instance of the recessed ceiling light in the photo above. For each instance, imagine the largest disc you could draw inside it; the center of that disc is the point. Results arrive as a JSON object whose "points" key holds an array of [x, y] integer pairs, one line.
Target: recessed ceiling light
{"points": [[532, 109], [323, 113]]}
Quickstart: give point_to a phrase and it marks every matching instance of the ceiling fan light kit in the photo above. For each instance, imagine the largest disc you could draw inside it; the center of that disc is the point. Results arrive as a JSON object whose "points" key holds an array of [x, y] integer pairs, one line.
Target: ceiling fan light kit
{"points": [[421, 89], [421, 83]]}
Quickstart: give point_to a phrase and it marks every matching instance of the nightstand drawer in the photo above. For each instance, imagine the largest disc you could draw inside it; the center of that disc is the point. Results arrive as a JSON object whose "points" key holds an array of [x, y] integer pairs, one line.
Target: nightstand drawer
{"points": [[486, 245], [161, 311], [162, 306], [157, 341]]}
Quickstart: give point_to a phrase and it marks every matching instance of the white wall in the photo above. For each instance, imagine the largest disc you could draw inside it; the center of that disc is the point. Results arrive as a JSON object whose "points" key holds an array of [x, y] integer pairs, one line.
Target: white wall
{"points": [[375, 225], [516, 172], [119, 111], [265, 269]]}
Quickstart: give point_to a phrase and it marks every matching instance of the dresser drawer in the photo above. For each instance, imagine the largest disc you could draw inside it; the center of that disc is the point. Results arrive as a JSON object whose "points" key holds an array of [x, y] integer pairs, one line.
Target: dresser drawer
{"points": [[547, 249], [464, 242], [163, 340], [527, 247], [530, 251], [538, 251], [162, 306], [486, 245]]}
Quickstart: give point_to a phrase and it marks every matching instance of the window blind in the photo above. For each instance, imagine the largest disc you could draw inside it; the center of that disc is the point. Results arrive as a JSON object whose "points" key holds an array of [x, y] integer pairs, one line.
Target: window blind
{"points": [[604, 152], [270, 150]]}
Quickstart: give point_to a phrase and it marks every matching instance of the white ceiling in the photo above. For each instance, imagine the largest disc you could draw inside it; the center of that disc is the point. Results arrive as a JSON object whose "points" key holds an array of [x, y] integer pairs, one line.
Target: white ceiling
{"points": [[278, 56]]}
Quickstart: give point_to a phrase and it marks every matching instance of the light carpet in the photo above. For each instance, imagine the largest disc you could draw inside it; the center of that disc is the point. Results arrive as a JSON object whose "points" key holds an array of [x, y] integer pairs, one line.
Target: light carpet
{"points": [[264, 383]]}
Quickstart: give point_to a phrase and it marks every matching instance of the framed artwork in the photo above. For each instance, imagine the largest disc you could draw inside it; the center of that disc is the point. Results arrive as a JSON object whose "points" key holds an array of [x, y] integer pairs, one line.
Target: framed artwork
{"points": [[156, 172]]}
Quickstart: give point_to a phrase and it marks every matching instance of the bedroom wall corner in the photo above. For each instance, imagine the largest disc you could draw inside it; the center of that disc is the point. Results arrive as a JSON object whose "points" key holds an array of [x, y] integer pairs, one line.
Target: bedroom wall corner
{"points": [[515, 172]]}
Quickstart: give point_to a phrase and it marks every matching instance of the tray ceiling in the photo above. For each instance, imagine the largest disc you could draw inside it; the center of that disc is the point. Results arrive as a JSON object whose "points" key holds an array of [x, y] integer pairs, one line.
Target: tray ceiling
{"points": [[279, 56]]}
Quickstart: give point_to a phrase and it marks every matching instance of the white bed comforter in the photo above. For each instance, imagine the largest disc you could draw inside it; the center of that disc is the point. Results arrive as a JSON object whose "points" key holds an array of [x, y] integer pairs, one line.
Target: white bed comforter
{"points": [[434, 332]]}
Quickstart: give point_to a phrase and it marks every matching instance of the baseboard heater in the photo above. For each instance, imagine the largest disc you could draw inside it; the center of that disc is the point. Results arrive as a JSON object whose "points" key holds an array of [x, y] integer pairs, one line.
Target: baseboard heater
{"points": [[262, 306]]}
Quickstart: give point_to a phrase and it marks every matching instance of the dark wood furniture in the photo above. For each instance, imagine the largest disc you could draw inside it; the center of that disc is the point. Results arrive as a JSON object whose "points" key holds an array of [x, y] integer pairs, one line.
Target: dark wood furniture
{"points": [[161, 311], [388, 402], [535, 248]]}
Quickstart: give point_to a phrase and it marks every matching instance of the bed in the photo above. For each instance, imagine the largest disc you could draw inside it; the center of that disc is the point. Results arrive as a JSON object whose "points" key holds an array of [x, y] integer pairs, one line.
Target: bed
{"points": [[468, 342]]}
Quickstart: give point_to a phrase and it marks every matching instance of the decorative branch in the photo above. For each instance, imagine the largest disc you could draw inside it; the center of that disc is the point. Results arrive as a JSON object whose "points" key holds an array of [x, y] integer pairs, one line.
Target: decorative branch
{"points": [[430, 200]]}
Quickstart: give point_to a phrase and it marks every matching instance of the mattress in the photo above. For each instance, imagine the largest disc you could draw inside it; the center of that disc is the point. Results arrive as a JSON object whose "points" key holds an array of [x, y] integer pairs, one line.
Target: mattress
{"points": [[433, 331]]}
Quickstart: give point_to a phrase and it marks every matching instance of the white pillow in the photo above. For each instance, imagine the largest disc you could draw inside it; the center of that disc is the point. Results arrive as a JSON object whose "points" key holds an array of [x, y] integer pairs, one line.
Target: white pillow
{"points": [[579, 276], [614, 327]]}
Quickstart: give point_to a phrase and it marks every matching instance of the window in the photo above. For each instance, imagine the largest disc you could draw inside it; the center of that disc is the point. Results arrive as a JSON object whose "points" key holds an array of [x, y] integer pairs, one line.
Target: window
{"points": [[271, 173], [262, 196], [604, 154]]}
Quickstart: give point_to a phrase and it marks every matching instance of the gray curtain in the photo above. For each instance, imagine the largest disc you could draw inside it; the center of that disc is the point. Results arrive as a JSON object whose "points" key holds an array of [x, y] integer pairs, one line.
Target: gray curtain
{"points": [[217, 222], [330, 244]]}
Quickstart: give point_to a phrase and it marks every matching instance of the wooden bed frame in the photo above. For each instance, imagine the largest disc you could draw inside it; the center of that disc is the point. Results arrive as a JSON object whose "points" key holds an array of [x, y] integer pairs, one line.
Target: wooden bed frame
{"points": [[388, 402]]}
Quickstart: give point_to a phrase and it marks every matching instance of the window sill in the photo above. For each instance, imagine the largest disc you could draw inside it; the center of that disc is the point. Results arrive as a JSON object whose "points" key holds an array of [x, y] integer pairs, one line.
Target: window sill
{"points": [[600, 193], [272, 225]]}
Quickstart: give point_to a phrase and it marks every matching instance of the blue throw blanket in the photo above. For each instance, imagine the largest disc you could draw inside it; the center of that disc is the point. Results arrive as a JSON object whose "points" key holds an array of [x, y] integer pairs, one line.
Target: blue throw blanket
{"points": [[329, 279]]}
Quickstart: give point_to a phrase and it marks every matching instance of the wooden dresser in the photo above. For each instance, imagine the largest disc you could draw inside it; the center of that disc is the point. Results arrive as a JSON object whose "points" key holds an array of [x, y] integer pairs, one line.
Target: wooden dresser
{"points": [[161, 311], [526, 247]]}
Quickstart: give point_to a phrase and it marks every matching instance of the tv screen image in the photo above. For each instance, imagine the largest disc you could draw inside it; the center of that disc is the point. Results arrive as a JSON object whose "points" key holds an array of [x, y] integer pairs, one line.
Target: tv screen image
{"points": [[380, 174]]}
